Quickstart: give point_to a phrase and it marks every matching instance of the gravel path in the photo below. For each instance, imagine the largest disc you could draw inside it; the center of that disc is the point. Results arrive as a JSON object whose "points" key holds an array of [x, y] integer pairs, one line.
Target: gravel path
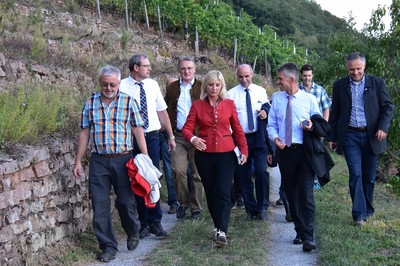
{"points": [[282, 251], [281, 248], [137, 257]]}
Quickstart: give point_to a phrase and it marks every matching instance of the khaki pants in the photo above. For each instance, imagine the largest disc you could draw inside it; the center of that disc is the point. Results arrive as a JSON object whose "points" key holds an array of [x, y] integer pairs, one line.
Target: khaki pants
{"points": [[183, 155]]}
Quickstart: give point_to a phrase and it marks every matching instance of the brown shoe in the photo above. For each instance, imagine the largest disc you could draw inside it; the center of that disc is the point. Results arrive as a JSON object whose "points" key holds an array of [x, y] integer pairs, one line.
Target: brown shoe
{"points": [[172, 210]]}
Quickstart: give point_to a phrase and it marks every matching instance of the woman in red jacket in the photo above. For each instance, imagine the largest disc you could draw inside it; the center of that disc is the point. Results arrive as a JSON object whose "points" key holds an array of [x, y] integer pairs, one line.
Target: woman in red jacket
{"points": [[215, 119]]}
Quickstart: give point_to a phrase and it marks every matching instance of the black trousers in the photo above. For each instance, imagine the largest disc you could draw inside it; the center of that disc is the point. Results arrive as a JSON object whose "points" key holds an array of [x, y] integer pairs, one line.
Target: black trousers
{"points": [[216, 171], [105, 172], [297, 183]]}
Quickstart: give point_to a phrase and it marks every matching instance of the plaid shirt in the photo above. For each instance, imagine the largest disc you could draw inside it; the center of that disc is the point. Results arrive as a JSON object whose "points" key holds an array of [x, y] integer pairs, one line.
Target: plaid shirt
{"points": [[320, 93], [111, 126]]}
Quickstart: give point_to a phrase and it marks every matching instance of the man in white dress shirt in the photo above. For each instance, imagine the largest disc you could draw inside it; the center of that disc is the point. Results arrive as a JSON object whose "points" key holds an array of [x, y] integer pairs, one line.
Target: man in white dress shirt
{"points": [[248, 96], [153, 109]]}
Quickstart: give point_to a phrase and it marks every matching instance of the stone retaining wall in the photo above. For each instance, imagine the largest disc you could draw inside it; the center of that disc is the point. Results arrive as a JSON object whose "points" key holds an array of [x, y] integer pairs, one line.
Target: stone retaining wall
{"points": [[41, 202]]}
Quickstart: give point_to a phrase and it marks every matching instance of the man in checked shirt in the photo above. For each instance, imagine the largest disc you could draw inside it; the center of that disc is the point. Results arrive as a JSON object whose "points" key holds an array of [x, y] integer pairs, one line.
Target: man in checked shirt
{"points": [[108, 120]]}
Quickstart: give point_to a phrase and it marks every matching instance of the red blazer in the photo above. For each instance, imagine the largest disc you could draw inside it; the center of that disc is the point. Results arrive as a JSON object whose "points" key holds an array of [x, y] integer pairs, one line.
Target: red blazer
{"points": [[214, 126]]}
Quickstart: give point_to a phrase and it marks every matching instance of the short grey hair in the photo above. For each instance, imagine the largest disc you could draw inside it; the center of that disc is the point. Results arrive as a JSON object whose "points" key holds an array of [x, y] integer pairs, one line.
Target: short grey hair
{"points": [[186, 58], [290, 69], [109, 71], [355, 56]]}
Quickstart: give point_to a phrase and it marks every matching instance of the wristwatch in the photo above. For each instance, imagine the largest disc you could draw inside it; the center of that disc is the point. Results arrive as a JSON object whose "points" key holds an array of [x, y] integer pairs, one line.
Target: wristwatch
{"points": [[172, 137]]}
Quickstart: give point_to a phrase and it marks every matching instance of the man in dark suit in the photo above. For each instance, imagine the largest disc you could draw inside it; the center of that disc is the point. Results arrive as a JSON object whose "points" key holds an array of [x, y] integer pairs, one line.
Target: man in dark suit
{"points": [[360, 120]]}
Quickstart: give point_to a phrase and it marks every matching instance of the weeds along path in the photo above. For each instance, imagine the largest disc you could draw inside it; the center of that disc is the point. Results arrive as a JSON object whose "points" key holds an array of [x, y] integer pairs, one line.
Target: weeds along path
{"points": [[282, 251]]}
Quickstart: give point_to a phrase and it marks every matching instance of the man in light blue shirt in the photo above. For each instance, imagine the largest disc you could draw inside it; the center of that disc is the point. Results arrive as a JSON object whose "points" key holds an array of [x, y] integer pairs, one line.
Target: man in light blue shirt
{"points": [[285, 128]]}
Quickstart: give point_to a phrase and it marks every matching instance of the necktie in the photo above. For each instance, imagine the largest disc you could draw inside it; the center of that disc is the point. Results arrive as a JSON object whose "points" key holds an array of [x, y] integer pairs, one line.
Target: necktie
{"points": [[143, 105], [249, 111], [288, 122]]}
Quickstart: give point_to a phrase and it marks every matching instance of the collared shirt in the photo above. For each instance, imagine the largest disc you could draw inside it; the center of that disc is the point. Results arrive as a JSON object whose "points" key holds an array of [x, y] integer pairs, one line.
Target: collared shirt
{"points": [[184, 104], [110, 126], [155, 100], [357, 116], [258, 96], [304, 105], [320, 93]]}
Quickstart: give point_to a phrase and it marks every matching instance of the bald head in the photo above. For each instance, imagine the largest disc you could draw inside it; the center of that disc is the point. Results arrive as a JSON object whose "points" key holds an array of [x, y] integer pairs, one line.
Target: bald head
{"points": [[244, 75]]}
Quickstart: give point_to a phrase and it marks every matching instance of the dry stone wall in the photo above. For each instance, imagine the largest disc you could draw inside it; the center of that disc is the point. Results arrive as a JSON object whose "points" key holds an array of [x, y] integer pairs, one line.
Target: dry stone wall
{"points": [[41, 202]]}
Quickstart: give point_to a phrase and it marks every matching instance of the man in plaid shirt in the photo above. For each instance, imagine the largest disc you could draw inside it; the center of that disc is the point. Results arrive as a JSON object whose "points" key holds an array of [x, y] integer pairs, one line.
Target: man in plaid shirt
{"points": [[108, 120], [324, 103]]}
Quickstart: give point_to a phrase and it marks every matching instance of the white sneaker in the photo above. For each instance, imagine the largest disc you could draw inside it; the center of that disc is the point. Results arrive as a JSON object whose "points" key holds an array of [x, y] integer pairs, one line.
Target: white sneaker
{"points": [[221, 239]]}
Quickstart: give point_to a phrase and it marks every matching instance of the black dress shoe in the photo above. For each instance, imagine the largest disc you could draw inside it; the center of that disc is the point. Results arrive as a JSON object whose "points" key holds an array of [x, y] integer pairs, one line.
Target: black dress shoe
{"points": [[196, 216], [262, 215], [144, 231], [251, 217], [308, 246], [106, 256], [181, 212], [279, 202], [132, 242], [297, 240]]}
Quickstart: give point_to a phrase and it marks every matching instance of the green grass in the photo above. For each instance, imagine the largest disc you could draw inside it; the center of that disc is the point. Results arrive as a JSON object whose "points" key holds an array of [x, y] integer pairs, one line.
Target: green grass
{"points": [[340, 243], [191, 243]]}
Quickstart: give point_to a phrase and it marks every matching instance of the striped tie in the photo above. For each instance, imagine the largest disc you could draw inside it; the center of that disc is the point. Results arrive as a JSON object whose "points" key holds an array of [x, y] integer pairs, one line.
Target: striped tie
{"points": [[143, 105]]}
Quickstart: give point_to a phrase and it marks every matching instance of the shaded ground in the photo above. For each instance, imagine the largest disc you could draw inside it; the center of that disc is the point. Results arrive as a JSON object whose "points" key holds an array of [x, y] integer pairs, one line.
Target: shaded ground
{"points": [[282, 251]]}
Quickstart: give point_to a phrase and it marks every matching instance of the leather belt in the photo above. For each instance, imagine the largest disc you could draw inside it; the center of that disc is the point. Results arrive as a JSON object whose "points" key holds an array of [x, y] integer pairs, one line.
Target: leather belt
{"points": [[151, 133], [358, 129], [294, 146], [114, 154]]}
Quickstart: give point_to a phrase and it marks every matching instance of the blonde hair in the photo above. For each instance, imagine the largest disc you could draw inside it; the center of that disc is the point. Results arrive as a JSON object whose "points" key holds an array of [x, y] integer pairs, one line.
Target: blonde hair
{"points": [[209, 77]]}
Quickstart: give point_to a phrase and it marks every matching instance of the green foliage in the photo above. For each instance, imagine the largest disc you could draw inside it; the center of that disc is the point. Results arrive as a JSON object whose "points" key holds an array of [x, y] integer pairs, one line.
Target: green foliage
{"points": [[39, 45], [302, 20], [394, 184], [35, 17], [31, 110], [126, 38], [217, 26]]}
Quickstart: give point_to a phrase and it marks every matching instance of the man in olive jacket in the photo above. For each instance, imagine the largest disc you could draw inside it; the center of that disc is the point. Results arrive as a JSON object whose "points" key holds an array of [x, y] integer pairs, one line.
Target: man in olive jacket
{"points": [[179, 97]]}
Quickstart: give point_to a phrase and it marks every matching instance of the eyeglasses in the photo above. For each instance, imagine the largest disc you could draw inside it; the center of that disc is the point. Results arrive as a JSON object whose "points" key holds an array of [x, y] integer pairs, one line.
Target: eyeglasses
{"points": [[146, 66], [112, 85], [186, 68]]}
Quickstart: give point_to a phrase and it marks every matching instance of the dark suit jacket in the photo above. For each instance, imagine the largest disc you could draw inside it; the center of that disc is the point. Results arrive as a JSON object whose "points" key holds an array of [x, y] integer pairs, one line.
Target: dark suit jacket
{"points": [[316, 153], [262, 140], [378, 111], [172, 95]]}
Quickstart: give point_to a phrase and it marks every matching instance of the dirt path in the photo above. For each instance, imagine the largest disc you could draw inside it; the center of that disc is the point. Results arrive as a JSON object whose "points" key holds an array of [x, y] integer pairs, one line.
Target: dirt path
{"points": [[282, 251], [137, 257]]}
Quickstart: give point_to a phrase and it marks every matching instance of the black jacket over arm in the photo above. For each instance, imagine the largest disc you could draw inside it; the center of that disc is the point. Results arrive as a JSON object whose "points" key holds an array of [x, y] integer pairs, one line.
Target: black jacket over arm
{"points": [[316, 153]]}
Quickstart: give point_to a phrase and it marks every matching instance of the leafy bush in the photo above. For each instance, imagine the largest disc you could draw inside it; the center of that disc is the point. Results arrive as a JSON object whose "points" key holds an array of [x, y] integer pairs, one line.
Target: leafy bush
{"points": [[31, 110], [394, 184]]}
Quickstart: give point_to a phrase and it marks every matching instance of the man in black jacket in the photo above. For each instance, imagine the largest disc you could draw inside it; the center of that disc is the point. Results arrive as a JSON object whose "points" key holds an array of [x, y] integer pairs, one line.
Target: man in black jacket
{"points": [[360, 119]]}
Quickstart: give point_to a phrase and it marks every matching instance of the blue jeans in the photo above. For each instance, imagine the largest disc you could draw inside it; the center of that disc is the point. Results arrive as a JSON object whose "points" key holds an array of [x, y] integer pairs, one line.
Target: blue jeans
{"points": [[361, 162], [167, 169], [148, 216]]}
